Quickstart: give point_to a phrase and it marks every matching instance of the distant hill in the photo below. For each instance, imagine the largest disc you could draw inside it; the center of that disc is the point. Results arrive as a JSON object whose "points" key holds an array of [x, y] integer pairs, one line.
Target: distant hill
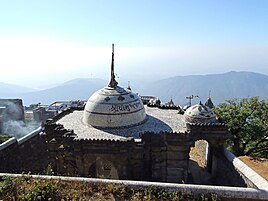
{"points": [[7, 89], [77, 89], [222, 86]]}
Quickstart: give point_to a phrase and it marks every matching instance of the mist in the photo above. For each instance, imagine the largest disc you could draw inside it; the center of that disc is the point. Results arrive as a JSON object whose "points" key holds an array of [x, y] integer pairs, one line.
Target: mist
{"points": [[13, 121], [18, 129]]}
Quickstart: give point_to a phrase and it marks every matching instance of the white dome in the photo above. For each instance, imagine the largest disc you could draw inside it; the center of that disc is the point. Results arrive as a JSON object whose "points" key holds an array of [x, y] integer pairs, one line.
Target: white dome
{"points": [[114, 107], [199, 113]]}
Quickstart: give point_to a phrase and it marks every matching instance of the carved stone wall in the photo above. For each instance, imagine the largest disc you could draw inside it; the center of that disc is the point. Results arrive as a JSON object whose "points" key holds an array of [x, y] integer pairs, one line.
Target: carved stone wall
{"points": [[167, 155], [29, 156], [155, 157]]}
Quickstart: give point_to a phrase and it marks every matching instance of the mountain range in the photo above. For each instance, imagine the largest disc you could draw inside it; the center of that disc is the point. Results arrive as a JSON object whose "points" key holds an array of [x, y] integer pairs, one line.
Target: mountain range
{"points": [[77, 89], [219, 86], [11, 89]]}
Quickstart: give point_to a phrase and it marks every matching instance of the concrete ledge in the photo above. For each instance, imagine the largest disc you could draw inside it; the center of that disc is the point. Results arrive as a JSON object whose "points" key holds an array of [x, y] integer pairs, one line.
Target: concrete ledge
{"points": [[30, 135], [7, 143], [228, 193], [246, 171]]}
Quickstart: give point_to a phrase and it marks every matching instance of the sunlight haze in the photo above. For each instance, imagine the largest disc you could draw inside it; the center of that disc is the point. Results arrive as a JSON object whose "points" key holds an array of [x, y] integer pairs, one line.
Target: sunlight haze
{"points": [[49, 42]]}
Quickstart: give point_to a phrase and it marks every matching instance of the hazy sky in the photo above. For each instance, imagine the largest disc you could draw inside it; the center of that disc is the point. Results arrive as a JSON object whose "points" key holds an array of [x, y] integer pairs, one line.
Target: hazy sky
{"points": [[48, 42]]}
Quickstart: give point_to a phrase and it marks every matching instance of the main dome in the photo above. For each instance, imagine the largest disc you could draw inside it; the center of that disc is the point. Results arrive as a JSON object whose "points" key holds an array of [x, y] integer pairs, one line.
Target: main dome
{"points": [[114, 106]]}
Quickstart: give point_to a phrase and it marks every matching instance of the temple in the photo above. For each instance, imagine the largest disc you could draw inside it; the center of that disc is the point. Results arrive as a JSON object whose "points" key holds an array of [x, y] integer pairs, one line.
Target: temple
{"points": [[116, 135]]}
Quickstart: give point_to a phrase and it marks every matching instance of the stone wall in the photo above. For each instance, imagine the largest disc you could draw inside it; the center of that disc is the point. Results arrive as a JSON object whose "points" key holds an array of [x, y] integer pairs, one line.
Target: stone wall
{"points": [[224, 172], [214, 133], [29, 155], [93, 158], [167, 155], [157, 157]]}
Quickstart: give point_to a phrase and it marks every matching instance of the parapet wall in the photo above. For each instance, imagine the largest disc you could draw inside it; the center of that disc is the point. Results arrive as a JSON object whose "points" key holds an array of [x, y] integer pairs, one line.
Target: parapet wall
{"points": [[28, 154], [250, 177], [225, 172]]}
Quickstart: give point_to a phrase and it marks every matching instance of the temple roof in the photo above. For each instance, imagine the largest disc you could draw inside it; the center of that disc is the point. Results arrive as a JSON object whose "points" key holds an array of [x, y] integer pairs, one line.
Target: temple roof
{"points": [[158, 120]]}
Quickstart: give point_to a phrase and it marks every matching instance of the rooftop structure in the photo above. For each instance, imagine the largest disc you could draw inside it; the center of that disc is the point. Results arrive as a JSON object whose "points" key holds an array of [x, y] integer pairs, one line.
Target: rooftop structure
{"points": [[116, 132], [116, 136], [157, 121], [209, 103], [113, 106], [200, 113]]}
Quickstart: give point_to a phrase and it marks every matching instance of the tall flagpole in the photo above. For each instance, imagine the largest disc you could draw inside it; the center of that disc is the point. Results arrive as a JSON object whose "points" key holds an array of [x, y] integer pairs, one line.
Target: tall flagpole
{"points": [[113, 83]]}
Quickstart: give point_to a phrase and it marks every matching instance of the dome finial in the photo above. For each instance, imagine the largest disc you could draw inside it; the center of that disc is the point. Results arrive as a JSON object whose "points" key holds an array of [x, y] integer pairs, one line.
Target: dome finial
{"points": [[128, 87], [113, 83]]}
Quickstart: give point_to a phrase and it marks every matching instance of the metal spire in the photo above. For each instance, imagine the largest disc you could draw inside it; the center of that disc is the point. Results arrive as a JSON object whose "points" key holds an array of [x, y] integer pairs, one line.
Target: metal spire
{"points": [[113, 83], [128, 87]]}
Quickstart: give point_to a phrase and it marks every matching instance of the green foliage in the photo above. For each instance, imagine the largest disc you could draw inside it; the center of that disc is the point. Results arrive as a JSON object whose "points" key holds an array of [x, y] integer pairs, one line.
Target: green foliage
{"points": [[27, 188], [121, 192], [247, 121], [42, 190], [8, 186], [49, 170], [3, 137]]}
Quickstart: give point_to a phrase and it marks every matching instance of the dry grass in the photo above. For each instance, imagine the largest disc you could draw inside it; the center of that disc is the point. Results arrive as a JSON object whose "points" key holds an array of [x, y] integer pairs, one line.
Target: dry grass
{"points": [[27, 188], [260, 165], [197, 153]]}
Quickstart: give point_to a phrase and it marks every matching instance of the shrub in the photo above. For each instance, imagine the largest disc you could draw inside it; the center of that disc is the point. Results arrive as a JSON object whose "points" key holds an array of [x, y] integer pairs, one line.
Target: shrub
{"points": [[3, 137]]}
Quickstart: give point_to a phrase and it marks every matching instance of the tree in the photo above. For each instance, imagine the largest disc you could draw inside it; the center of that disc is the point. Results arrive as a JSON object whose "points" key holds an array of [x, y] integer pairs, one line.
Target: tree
{"points": [[247, 121]]}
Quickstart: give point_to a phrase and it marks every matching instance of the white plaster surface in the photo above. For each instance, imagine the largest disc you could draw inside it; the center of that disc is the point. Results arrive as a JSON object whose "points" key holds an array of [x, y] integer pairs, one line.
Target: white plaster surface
{"points": [[7, 143], [157, 120], [200, 111], [113, 108], [30, 135]]}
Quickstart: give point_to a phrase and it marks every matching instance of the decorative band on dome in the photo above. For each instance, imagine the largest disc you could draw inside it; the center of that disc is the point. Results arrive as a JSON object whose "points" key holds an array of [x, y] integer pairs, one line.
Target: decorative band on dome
{"points": [[199, 113], [101, 113]]}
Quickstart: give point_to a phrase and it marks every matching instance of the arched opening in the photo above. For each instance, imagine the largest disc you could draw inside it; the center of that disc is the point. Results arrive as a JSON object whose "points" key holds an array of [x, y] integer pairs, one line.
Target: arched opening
{"points": [[200, 163], [103, 168]]}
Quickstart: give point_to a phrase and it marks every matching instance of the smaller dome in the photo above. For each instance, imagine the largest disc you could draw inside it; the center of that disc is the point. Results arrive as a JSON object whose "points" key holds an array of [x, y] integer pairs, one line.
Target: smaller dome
{"points": [[199, 113]]}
